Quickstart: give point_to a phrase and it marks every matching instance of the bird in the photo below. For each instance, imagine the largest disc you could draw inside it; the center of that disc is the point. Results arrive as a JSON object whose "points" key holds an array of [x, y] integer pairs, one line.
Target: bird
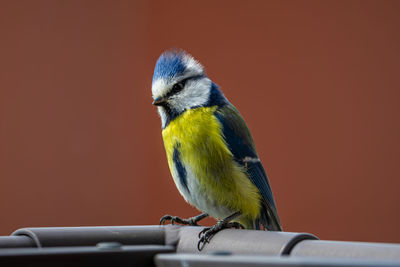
{"points": [[210, 150]]}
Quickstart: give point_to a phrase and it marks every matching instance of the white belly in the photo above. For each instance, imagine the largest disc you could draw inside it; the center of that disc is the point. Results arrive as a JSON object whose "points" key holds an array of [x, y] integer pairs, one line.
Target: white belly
{"points": [[197, 196]]}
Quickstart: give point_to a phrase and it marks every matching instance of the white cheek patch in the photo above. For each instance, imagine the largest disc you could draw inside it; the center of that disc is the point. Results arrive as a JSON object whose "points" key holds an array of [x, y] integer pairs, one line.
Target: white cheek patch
{"points": [[196, 93]]}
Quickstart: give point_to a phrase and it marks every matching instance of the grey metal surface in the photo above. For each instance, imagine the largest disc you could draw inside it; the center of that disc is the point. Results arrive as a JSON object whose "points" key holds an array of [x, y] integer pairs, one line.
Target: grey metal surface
{"points": [[209, 260], [238, 241], [141, 255], [90, 236], [16, 242], [233, 247], [347, 250]]}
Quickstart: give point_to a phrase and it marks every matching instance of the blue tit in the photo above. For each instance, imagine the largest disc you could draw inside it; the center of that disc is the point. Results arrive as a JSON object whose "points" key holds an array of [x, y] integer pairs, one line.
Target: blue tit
{"points": [[210, 150]]}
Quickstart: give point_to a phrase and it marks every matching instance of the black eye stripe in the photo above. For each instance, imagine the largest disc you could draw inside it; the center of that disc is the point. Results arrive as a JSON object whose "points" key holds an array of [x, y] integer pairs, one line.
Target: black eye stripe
{"points": [[177, 87]]}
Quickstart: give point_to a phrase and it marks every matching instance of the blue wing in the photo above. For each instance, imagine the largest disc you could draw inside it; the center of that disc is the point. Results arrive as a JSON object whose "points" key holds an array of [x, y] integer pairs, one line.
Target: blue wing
{"points": [[240, 142]]}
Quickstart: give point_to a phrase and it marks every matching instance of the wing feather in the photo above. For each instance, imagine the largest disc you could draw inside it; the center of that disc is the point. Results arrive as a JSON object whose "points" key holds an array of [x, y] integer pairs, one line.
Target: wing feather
{"points": [[240, 142]]}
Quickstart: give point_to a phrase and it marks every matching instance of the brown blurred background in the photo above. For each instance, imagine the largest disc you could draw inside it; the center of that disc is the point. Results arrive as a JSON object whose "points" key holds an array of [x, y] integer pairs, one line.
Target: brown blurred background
{"points": [[317, 82]]}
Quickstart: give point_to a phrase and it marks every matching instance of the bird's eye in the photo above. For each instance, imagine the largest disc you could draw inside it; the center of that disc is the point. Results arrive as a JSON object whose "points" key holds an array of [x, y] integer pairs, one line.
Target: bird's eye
{"points": [[177, 87]]}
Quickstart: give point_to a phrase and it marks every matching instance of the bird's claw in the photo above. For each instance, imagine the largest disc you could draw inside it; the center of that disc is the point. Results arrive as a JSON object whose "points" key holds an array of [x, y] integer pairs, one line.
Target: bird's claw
{"points": [[205, 236], [166, 218], [208, 233], [176, 219]]}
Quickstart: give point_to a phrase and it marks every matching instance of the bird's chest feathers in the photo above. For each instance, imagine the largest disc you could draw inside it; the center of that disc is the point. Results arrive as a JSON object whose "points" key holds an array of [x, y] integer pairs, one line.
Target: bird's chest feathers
{"points": [[198, 156], [197, 135]]}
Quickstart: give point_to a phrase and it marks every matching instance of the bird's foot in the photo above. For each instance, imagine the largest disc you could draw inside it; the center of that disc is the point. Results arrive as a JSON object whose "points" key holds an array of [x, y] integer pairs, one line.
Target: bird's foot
{"points": [[190, 221], [208, 232]]}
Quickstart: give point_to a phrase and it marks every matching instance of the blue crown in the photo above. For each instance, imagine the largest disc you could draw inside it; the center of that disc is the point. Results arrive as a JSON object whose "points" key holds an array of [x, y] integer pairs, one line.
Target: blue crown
{"points": [[170, 64]]}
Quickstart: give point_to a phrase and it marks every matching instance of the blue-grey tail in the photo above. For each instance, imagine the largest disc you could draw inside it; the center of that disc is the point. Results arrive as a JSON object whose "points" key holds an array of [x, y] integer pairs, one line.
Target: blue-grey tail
{"points": [[268, 220]]}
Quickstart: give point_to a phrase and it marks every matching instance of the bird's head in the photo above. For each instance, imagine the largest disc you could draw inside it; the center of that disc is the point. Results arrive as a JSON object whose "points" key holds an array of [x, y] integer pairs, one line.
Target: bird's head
{"points": [[179, 83]]}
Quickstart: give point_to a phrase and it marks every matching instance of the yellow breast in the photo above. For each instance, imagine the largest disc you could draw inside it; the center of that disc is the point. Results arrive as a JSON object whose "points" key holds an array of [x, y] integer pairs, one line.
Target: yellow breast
{"points": [[198, 133]]}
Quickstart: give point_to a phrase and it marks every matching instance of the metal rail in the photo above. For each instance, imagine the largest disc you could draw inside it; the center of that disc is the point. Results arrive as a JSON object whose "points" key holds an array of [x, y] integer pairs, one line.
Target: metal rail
{"points": [[177, 246]]}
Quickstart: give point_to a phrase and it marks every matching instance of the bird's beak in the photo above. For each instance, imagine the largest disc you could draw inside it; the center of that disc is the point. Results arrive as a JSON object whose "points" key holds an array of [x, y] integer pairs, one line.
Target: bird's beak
{"points": [[159, 101]]}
